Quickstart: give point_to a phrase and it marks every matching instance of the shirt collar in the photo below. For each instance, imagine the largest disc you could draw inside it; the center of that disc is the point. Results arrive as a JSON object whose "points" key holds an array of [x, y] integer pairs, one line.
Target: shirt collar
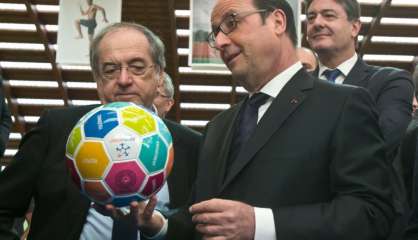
{"points": [[275, 85], [345, 67]]}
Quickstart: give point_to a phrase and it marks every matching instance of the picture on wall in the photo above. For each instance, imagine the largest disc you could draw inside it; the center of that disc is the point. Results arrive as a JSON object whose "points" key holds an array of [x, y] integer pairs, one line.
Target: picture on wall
{"points": [[78, 22], [201, 55]]}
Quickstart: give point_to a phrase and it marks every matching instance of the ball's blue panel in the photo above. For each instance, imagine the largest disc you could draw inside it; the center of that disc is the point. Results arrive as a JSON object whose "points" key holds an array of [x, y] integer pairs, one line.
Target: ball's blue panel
{"points": [[125, 201], [153, 154], [118, 104], [165, 133], [100, 123]]}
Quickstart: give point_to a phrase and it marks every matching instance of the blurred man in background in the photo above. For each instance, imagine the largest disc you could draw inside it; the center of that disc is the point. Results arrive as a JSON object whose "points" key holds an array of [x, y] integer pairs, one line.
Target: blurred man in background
{"points": [[307, 58], [165, 96]]}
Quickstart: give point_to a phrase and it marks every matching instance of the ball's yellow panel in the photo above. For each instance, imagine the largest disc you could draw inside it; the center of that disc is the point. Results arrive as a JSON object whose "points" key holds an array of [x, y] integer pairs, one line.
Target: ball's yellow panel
{"points": [[138, 120], [91, 160]]}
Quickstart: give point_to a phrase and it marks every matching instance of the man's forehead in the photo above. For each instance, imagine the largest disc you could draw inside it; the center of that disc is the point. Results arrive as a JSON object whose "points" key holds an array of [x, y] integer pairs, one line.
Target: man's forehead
{"points": [[322, 5], [125, 45], [224, 8]]}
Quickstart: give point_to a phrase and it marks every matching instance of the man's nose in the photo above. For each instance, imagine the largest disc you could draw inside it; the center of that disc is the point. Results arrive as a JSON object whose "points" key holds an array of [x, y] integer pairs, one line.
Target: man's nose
{"points": [[124, 76], [221, 40], [317, 22]]}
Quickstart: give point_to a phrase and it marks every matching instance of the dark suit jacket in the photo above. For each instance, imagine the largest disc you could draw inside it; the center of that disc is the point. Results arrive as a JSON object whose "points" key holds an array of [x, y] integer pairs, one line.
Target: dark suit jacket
{"points": [[407, 158], [5, 121], [392, 89], [316, 159], [38, 170]]}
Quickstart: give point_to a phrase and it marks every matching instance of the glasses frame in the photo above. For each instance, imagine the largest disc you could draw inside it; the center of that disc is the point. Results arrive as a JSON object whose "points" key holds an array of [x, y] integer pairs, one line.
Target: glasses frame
{"points": [[118, 71], [236, 18]]}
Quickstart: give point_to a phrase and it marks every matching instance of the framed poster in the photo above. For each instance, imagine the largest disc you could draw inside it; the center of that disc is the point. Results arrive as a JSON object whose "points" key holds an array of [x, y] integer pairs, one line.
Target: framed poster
{"points": [[203, 57], [78, 21]]}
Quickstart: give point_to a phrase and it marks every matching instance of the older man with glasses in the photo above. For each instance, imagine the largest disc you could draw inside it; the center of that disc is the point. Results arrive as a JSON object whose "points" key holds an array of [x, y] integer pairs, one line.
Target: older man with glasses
{"points": [[128, 63]]}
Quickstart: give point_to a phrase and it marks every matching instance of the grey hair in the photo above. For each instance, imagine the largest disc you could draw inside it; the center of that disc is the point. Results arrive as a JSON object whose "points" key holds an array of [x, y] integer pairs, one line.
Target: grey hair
{"points": [[157, 49], [168, 85]]}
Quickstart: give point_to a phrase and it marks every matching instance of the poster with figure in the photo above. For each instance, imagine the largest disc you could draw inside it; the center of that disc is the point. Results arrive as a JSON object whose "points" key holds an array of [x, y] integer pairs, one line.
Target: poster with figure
{"points": [[78, 21], [201, 55]]}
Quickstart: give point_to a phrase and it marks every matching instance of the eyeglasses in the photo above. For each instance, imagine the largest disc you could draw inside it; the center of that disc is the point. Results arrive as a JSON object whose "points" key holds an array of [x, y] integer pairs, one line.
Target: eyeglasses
{"points": [[113, 71], [229, 24]]}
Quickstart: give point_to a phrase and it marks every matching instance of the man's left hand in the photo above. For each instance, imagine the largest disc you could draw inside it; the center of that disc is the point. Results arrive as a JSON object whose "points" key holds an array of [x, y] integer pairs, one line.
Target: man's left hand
{"points": [[141, 215], [224, 219]]}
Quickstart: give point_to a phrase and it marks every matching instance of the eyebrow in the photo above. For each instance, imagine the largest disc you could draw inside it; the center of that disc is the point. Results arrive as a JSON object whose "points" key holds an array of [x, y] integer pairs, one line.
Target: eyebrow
{"points": [[130, 61], [224, 16], [321, 11]]}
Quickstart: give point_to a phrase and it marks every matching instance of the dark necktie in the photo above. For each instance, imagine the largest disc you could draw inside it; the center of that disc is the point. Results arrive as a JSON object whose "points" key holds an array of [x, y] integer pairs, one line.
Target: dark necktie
{"points": [[247, 121], [123, 231], [331, 74]]}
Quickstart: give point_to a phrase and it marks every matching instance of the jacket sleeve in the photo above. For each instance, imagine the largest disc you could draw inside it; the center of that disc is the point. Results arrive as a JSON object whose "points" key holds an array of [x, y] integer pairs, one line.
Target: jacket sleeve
{"points": [[361, 207], [394, 103], [18, 180]]}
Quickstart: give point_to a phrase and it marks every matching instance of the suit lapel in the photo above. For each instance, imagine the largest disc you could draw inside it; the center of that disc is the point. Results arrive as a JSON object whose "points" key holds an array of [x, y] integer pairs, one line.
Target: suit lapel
{"points": [[288, 100], [226, 144], [358, 75]]}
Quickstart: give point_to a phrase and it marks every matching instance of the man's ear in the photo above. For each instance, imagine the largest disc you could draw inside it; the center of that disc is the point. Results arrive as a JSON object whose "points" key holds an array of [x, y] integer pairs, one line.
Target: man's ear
{"points": [[170, 103], [100, 93], [280, 21], [160, 78], [356, 26]]}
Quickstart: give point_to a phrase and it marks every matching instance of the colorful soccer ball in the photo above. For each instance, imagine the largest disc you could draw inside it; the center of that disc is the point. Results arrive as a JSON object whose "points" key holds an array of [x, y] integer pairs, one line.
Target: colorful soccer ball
{"points": [[118, 153]]}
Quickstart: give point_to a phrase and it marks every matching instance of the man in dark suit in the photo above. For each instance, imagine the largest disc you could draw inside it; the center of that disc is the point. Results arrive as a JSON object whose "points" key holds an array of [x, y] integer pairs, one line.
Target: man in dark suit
{"points": [[127, 62], [332, 30], [298, 158]]}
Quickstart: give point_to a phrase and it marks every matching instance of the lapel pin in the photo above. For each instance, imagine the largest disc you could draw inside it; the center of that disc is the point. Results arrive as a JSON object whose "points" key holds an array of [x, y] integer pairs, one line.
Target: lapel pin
{"points": [[294, 101]]}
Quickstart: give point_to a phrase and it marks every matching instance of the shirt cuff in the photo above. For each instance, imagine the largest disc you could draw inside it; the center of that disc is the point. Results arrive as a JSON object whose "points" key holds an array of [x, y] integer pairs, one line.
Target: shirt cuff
{"points": [[264, 224], [163, 231]]}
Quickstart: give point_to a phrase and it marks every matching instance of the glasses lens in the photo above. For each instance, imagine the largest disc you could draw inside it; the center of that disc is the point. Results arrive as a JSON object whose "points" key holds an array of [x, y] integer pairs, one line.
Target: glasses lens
{"points": [[110, 71], [211, 39], [137, 69], [229, 24]]}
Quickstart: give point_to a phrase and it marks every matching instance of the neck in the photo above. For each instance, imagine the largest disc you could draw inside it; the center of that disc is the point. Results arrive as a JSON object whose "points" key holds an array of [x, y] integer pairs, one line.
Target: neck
{"points": [[283, 62], [334, 59]]}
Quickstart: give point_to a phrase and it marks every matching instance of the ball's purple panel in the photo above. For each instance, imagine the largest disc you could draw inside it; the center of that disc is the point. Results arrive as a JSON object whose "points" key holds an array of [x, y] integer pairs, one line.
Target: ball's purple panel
{"points": [[154, 184], [125, 177]]}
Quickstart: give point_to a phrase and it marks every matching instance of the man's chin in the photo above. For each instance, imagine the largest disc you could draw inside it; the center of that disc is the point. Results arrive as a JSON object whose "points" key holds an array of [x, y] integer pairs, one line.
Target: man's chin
{"points": [[129, 99], [321, 46]]}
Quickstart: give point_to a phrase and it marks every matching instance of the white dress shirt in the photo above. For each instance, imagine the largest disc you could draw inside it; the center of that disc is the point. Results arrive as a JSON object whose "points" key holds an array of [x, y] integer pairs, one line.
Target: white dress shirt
{"points": [[344, 68]]}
